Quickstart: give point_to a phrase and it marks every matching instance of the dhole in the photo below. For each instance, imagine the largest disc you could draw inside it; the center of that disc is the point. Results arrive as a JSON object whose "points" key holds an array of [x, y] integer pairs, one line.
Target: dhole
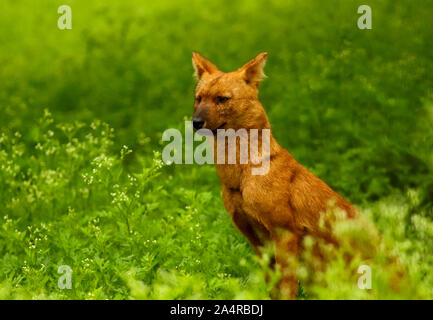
{"points": [[280, 207]]}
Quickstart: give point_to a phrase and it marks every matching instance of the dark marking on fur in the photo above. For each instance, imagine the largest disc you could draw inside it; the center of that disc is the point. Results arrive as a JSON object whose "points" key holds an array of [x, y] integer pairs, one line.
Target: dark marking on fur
{"points": [[294, 175]]}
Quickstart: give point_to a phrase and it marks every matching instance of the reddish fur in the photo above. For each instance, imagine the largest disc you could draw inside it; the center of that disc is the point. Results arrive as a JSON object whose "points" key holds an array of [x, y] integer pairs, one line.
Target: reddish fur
{"points": [[289, 197]]}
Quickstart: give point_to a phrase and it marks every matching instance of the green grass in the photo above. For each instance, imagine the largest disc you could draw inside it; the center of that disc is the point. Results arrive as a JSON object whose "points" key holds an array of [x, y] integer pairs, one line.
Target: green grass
{"points": [[354, 106]]}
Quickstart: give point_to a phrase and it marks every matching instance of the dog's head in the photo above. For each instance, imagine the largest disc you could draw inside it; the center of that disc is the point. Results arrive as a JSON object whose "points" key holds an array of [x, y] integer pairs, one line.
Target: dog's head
{"points": [[228, 100]]}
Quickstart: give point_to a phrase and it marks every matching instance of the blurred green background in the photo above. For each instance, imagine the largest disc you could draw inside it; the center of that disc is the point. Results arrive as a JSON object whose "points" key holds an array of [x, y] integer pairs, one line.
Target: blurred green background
{"points": [[354, 106], [335, 93]]}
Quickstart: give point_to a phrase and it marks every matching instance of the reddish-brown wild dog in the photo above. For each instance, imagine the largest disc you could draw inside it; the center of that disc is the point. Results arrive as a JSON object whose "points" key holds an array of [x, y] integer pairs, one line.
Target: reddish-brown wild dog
{"points": [[287, 198]]}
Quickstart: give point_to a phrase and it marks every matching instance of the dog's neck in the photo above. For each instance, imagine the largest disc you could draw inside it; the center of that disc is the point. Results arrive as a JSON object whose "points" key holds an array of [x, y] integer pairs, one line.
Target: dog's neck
{"points": [[232, 174]]}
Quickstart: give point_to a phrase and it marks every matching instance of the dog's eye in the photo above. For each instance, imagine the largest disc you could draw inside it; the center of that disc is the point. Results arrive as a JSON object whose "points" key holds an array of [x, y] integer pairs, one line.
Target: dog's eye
{"points": [[222, 99], [198, 99]]}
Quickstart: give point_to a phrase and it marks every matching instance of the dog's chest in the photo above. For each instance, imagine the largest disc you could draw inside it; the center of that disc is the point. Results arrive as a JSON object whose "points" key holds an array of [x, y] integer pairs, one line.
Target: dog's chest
{"points": [[245, 194], [231, 175]]}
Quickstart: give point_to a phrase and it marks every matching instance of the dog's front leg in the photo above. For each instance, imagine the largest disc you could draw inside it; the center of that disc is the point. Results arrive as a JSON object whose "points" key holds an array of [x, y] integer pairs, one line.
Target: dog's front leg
{"points": [[232, 200], [241, 221]]}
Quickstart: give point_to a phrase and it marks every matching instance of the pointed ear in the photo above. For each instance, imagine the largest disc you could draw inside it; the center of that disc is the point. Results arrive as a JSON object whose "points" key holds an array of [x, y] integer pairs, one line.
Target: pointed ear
{"points": [[202, 65], [252, 71]]}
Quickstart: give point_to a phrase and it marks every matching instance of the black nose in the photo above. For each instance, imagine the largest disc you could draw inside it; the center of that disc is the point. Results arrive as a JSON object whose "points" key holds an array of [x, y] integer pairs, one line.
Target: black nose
{"points": [[197, 123]]}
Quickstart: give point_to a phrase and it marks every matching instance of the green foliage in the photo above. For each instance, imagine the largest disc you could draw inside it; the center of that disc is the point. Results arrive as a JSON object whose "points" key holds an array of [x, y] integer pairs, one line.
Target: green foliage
{"points": [[68, 201], [89, 190]]}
